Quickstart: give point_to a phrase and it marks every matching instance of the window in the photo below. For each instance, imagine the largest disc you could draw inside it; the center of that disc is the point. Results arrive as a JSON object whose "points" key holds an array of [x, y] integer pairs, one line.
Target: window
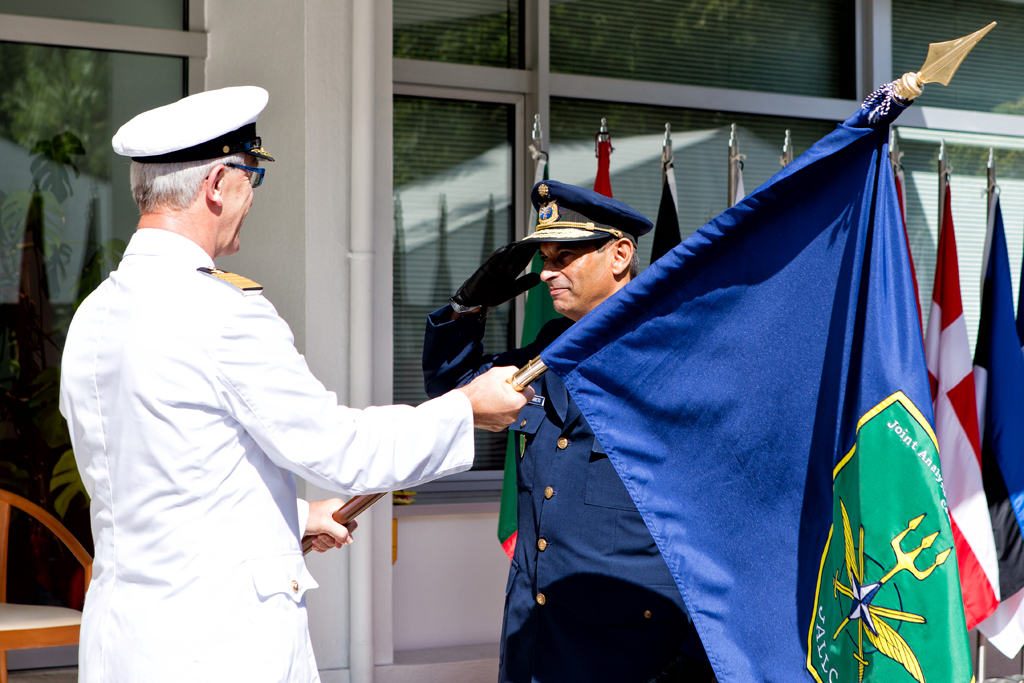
{"points": [[801, 47], [453, 208], [700, 145], [481, 32], [167, 14], [65, 214], [986, 81]]}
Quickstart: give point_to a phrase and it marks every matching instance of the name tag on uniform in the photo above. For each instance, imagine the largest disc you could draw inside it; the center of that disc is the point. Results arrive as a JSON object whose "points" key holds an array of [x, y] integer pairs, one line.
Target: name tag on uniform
{"points": [[537, 401]]}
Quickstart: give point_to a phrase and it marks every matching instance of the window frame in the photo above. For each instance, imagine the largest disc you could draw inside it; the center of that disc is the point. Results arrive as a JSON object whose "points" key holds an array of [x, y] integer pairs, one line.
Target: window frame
{"points": [[190, 45]]}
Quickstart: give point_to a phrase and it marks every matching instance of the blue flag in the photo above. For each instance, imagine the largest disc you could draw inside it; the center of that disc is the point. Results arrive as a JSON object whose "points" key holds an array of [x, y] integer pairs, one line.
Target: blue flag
{"points": [[762, 392], [999, 377]]}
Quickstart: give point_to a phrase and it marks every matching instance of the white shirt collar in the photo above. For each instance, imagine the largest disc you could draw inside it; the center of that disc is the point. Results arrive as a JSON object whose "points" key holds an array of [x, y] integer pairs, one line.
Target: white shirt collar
{"points": [[157, 242]]}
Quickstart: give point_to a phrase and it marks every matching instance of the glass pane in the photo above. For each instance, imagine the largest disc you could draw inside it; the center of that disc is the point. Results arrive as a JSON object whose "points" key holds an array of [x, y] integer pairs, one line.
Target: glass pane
{"points": [[65, 213], [453, 208], [700, 144], [482, 32], [987, 80], [801, 47], [169, 14], [968, 155]]}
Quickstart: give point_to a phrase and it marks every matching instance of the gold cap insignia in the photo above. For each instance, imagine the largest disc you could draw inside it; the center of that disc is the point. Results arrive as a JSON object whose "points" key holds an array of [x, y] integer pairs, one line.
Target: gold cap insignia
{"points": [[548, 213], [542, 190]]}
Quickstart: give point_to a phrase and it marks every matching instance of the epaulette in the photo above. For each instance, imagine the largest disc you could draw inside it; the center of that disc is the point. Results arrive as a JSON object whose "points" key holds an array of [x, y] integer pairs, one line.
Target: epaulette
{"points": [[247, 286]]}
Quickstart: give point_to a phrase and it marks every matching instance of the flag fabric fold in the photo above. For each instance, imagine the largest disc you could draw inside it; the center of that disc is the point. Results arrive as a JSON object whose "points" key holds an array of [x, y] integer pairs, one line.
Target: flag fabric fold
{"points": [[951, 374], [762, 392], [999, 378]]}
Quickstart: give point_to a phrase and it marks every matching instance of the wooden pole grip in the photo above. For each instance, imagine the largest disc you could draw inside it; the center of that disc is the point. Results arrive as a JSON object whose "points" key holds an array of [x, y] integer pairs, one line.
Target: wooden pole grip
{"points": [[354, 507]]}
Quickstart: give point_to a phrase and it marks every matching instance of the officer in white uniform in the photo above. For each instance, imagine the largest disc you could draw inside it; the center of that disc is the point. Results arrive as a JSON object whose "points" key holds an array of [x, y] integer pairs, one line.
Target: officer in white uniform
{"points": [[190, 409]]}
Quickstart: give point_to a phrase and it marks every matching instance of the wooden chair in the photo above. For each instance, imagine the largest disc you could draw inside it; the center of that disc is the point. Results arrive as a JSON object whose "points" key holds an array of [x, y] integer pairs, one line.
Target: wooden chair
{"points": [[30, 626]]}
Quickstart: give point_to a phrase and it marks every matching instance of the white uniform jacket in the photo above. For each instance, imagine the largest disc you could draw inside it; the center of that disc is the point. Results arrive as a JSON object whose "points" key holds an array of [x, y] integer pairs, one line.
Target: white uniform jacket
{"points": [[189, 409]]}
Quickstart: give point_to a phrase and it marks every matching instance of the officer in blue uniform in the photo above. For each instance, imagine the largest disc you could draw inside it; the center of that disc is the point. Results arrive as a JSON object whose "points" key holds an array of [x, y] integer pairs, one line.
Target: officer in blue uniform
{"points": [[589, 596]]}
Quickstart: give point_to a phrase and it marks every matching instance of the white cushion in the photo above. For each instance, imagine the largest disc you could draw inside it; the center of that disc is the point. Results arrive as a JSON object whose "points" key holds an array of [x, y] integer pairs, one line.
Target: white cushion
{"points": [[19, 617]]}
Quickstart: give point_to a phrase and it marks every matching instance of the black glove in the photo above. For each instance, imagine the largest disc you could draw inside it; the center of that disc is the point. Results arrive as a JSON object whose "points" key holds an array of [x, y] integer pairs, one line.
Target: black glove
{"points": [[495, 281]]}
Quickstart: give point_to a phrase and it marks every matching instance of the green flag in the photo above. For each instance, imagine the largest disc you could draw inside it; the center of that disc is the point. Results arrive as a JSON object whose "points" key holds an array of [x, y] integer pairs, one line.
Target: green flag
{"points": [[539, 310], [885, 600]]}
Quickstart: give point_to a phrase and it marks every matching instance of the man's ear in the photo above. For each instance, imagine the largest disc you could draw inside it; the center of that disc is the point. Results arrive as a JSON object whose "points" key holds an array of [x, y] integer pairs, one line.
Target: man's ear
{"points": [[622, 256], [213, 186]]}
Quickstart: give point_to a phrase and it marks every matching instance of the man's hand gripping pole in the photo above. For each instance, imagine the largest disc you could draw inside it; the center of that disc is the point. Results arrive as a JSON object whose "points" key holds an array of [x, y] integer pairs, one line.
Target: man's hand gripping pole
{"points": [[526, 375]]}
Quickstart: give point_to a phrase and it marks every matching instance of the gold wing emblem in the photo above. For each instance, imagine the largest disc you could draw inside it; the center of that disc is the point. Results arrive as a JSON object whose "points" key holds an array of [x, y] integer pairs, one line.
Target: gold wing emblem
{"points": [[892, 645]]}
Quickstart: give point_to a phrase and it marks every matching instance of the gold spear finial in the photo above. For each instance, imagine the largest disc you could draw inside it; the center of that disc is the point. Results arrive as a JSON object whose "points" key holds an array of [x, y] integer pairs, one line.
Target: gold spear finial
{"points": [[942, 62]]}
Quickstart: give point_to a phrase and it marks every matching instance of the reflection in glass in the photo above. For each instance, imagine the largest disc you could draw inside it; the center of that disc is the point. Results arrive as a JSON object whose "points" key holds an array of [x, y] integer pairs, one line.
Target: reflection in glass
{"points": [[700, 143], [800, 47], [453, 208], [985, 81], [480, 32], [65, 214]]}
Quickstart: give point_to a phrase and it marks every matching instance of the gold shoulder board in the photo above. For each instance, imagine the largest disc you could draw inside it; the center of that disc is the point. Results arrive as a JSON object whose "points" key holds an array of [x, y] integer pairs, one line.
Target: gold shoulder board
{"points": [[246, 285]]}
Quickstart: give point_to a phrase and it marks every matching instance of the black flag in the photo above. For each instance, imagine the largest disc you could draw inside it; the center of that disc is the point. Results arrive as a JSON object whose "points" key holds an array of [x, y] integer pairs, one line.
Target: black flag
{"points": [[666, 230]]}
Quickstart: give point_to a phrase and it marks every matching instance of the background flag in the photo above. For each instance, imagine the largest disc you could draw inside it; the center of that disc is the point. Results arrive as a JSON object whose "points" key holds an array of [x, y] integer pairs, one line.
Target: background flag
{"points": [[956, 426], [666, 230], [539, 310], [603, 151], [762, 391], [897, 168], [999, 375], [736, 191]]}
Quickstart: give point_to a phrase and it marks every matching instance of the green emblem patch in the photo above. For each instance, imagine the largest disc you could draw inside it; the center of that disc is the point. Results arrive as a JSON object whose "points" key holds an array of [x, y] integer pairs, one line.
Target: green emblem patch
{"points": [[888, 604]]}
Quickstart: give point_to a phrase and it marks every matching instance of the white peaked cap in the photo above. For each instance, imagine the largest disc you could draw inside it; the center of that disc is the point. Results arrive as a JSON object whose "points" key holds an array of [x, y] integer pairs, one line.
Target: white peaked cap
{"points": [[189, 126]]}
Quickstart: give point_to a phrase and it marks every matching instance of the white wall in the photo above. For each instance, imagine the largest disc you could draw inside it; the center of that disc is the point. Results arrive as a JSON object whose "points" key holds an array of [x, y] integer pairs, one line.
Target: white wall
{"points": [[449, 581]]}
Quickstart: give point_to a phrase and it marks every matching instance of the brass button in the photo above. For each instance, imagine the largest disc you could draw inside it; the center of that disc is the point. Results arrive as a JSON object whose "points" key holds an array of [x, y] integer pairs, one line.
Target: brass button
{"points": [[523, 423], [541, 599], [563, 443], [548, 492], [542, 544], [295, 586], [647, 614]]}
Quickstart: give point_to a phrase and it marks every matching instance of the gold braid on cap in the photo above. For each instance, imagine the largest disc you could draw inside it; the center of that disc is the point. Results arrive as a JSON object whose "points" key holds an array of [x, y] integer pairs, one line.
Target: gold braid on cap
{"points": [[583, 226]]}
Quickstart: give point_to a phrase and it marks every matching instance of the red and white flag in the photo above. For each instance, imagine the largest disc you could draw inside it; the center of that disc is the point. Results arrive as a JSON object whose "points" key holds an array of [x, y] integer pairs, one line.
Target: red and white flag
{"points": [[951, 373]]}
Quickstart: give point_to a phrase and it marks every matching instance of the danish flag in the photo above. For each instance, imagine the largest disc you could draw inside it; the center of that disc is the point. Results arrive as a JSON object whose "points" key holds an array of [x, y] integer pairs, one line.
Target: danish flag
{"points": [[951, 373]]}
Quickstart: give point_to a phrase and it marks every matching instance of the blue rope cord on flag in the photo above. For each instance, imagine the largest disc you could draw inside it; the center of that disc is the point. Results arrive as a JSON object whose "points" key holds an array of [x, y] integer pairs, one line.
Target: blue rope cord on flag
{"points": [[880, 101]]}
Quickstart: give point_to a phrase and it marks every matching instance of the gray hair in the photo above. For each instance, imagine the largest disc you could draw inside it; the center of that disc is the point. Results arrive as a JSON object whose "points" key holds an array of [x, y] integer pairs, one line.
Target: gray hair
{"points": [[172, 186]]}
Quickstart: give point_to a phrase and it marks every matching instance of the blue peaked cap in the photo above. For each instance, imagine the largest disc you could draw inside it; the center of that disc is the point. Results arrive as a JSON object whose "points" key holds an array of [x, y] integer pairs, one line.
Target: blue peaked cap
{"points": [[566, 213]]}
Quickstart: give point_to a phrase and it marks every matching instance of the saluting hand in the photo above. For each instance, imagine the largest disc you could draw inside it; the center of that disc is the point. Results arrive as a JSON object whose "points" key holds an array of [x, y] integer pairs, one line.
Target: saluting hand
{"points": [[495, 403], [498, 280]]}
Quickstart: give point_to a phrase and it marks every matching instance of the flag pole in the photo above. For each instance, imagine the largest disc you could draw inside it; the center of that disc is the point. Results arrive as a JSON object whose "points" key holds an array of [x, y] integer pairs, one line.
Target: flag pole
{"points": [[667, 157], [734, 145], [944, 171], [992, 192], [787, 150]]}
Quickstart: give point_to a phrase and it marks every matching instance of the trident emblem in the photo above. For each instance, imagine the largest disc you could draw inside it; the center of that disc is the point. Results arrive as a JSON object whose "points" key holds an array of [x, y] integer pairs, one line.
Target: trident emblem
{"points": [[870, 617]]}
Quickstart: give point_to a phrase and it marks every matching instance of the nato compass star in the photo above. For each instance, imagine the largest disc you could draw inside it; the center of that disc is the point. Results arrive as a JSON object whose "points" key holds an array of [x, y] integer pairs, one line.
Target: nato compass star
{"points": [[862, 597], [881, 635]]}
